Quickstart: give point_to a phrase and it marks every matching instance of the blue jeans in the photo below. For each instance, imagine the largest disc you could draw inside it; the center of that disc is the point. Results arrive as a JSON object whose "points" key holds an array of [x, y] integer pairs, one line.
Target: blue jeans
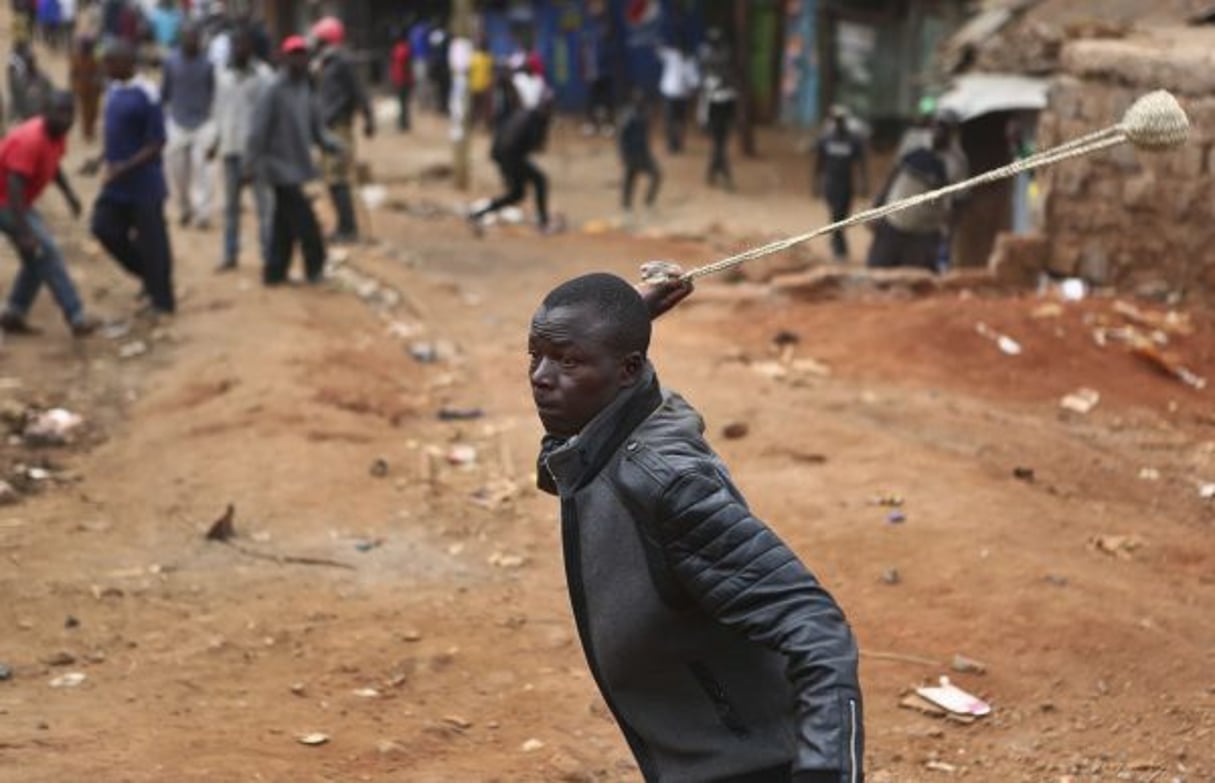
{"points": [[263, 199], [47, 268]]}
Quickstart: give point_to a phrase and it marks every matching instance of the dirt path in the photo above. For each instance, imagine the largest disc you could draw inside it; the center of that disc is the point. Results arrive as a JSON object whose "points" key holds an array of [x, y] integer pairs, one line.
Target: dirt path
{"points": [[445, 651]]}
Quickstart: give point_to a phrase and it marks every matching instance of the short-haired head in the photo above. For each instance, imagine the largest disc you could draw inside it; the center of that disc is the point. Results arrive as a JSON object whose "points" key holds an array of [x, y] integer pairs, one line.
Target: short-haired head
{"points": [[613, 307]]}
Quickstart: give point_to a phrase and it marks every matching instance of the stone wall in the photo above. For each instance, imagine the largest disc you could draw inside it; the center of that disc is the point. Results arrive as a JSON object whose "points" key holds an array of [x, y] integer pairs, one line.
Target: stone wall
{"points": [[1142, 221]]}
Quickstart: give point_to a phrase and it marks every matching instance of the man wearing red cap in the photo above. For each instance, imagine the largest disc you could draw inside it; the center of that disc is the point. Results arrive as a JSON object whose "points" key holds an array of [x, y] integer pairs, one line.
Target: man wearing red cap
{"points": [[285, 126], [341, 95]]}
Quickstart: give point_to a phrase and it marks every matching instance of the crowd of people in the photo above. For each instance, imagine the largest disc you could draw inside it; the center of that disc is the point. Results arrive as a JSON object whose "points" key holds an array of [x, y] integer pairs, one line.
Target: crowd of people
{"points": [[230, 114]]}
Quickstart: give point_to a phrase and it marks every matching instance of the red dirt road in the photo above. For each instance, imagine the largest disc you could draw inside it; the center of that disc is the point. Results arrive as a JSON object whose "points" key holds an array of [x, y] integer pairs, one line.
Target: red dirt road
{"points": [[446, 652]]}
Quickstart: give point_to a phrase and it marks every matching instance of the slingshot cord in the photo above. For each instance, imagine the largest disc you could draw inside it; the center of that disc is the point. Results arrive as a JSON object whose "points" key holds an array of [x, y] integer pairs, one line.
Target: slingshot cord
{"points": [[1156, 121]]}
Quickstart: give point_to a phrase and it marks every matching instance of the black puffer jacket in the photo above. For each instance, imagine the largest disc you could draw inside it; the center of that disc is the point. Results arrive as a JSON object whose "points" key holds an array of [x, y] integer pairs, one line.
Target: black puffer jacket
{"points": [[720, 656]]}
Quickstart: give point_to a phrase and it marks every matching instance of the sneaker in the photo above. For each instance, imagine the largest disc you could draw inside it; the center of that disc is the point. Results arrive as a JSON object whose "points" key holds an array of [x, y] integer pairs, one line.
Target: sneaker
{"points": [[11, 323], [85, 326]]}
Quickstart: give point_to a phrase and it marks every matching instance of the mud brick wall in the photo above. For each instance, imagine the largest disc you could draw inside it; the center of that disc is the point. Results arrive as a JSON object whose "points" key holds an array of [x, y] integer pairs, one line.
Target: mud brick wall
{"points": [[1142, 221]]}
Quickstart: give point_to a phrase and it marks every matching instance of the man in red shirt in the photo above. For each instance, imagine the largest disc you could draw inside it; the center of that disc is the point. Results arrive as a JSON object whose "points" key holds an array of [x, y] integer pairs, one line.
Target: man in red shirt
{"points": [[29, 160]]}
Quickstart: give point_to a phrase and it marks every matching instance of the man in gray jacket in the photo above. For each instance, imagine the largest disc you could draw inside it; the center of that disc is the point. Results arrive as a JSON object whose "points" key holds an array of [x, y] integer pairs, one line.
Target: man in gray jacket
{"points": [[285, 125], [718, 653]]}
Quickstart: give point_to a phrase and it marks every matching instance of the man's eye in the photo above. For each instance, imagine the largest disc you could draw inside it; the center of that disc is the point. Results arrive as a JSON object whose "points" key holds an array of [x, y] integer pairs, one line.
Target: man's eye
{"points": [[569, 363]]}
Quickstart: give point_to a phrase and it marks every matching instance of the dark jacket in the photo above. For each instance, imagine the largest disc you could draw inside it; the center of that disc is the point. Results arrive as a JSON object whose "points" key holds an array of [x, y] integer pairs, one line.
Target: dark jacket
{"points": [[519, 136], [341, 90], [720, 656]]}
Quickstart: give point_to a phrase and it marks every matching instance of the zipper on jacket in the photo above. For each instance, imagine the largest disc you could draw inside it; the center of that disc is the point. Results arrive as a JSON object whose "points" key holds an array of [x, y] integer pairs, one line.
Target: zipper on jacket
{"points": [[852, 773]]}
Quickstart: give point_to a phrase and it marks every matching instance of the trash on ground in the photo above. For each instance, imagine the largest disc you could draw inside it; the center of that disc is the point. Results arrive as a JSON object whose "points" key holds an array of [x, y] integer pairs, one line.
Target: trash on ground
{"points": [[510, 562], [495, 494], [1006, 344], [891, 576], [379, 467], [531, 745], [462, 454], [368, 544], [1205, 491], [132, 349], [1073, 289], [940, 766], [6, 672], [448, 413], [223, 528], [315, 738], [1081, 401], [366, 693], [54, 427], [1149, 474], [1021, 473], [374, 196], [1172, 322], [953, 699], [896, 517], [964, 665], [735, 430], [458, 722], [1169, 364], [1121, 547], [69, 680], [888, 499], [1046, 310]]}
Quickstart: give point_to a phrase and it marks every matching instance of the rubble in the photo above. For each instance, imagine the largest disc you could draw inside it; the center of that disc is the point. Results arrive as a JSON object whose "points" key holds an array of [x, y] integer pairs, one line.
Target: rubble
{"points": [[54, 427]]}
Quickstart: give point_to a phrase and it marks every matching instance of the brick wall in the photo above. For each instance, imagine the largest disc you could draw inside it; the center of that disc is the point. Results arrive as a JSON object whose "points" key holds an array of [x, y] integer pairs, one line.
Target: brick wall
{"points": [[1142, 221]]}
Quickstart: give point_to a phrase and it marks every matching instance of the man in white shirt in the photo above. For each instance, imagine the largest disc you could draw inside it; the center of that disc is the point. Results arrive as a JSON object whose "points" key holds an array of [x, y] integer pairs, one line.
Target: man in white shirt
{"points": [[240, 86], [679, 80]]}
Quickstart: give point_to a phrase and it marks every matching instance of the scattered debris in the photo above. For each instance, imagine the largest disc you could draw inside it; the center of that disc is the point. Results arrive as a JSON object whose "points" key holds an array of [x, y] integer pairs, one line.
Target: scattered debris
{"points": [[132, 349], [1073, 289], [1025, 474], [223, 528], [940, 766], [457, 722], [411, 635], [531, 745], [887, 499], [1006, 344], [6, 672], [964, 665], [499, 560], [69, 680], [1149, 474], [462, 454], [1046, 310], [315, 738], [54, 427], [1172, 322], [495, 494], [953, 699], [71, 622], [298, 688], [368, 544], [1207, 491], [785, 337], [1056, 579], [61, 658], [460, 414], [1168, 363], [366, 693], [913, 701], [379, 467], [891, 576], [1081, 401], [896, 517], [1121, 547], [735, 430]]}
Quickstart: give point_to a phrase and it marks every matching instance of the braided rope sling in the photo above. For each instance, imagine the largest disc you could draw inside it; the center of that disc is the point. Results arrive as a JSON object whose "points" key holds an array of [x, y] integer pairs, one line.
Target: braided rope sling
{"points": [[1154, 122]]}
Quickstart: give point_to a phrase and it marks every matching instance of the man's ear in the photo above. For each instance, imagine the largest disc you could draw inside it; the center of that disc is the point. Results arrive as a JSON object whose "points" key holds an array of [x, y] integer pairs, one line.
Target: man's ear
{"points": [[630, 369]]}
